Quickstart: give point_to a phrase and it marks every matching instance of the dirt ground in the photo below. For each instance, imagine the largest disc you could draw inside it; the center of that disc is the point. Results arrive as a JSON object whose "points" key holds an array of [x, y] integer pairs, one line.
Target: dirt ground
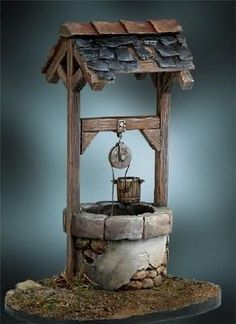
{"points": [[84, 301]]}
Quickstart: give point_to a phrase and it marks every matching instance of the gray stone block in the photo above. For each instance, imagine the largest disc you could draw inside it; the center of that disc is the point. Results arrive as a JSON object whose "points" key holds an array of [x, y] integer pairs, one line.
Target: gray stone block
{"points": [[158, 223], [88, 225], [124, 227]]}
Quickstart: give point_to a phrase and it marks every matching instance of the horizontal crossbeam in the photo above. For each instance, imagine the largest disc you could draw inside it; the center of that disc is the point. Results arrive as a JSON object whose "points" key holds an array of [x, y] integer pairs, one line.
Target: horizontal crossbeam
{"points": [[112, 123]]}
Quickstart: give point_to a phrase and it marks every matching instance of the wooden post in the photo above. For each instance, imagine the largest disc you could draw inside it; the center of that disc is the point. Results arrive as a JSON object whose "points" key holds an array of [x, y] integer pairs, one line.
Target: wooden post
{"points": [[73, 160], [163, 84]]}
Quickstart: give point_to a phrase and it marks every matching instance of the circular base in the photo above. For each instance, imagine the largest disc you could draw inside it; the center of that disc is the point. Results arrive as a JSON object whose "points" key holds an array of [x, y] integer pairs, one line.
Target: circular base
{"points": [[187, 311], [54, 300]]}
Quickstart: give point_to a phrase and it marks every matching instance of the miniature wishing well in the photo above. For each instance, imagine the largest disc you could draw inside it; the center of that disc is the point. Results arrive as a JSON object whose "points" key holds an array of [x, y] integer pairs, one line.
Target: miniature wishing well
{"points": [[121, 245]]}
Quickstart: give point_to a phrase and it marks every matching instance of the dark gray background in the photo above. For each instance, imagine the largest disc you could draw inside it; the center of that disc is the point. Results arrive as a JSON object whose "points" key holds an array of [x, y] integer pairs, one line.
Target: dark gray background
{"points": [[202, 142]]}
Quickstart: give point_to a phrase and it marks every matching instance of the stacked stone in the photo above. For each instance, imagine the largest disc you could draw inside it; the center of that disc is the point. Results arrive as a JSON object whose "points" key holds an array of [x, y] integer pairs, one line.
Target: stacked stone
{"points": [[149, 278], [90, 249], [124, 251]]}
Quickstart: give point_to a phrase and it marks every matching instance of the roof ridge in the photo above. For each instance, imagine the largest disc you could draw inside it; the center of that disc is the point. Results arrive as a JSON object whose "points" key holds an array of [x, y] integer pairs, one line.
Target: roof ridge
{"points": [[121, 27]]}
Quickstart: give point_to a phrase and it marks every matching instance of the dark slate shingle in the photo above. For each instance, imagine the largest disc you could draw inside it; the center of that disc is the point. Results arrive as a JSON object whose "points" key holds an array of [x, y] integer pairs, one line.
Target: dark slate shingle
{"points": [[142, 53], [83, 42], [115, 41], [183, 64], [181, 38], [109, 55], [106, 53], [130, 66], [98, 65], [185, 54], [150, 41], [165, 62], [168, 40], [116, 65], [89, 54], [166, 51], [123, 54]]}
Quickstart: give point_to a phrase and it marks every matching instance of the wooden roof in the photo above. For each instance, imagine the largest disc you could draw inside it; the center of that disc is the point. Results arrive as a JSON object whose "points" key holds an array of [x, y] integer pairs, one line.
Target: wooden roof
{"points": [[104, 49], [122, 27]]}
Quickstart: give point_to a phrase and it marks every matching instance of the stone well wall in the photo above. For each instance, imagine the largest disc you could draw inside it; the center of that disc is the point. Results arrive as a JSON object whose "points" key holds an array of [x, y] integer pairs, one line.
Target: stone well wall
{"points": [[128, 251]]}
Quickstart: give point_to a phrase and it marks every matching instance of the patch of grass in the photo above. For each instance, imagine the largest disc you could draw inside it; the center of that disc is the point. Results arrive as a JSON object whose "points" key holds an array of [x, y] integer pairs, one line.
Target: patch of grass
{"points": [[86, 301]]}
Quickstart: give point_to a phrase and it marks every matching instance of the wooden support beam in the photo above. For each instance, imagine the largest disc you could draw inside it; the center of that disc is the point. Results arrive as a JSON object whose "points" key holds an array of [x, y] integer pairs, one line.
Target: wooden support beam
{"points": [[73, 160], [51, 73], [140, 76], [92, 78], [86, 139], [78, 81], [62, 75], [111, 123], [153, 137], [164, 84], [185, 79], [153, 77]]}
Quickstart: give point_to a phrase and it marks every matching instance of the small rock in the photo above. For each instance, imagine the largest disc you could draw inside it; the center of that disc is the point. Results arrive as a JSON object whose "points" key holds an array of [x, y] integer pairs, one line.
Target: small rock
{"points": [[157, 281], [139, 275], [9, 293], [107, 309], [161, 269], [134, 284], [98, 246], [147, 283], [89, 254], [151, 273], [28, 284], [82, 243]]}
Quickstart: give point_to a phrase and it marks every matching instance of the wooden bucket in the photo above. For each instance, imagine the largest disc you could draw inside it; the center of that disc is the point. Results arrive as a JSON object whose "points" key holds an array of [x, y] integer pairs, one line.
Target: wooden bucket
{"points": [[128, 189]]}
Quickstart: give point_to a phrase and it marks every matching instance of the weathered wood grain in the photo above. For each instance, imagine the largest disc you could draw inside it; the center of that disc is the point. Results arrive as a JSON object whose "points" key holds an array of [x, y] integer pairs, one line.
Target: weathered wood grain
{"points": [[71, 28], [92, 78], [166, 26], [78, 80], [109, 28], [185, 79], [51, 73], [86, 139], [151, 66], [111, 123], [93, 28], [153, 137], [135, 27], [164, 84], [153, 77], [140, 76], [73, 160]]}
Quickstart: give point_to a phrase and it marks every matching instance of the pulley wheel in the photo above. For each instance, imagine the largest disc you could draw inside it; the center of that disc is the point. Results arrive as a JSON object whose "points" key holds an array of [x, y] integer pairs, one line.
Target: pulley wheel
{"points": [[120, 156]]}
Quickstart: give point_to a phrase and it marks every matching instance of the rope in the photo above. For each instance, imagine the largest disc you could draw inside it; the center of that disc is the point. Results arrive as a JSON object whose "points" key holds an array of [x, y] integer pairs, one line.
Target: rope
{"points": [[113, 173], [113, 191]]}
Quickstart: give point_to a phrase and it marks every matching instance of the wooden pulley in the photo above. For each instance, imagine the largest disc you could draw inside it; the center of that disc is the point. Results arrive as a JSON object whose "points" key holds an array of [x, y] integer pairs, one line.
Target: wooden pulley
{"points": [[120, 156]]}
